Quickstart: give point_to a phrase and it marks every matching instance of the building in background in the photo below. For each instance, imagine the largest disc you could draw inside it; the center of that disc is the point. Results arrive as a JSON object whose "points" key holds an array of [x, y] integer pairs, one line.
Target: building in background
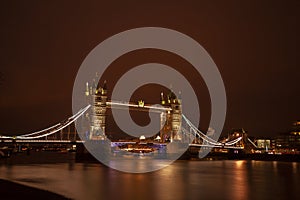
{"points": [[289, 141]]}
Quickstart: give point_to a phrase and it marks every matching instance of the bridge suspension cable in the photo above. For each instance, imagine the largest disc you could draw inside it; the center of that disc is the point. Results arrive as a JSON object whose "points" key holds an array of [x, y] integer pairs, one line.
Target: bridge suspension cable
{"points": [[194, 132], [211, 142], [199, 133], [60, 127], [252, 143], [53, 129]]}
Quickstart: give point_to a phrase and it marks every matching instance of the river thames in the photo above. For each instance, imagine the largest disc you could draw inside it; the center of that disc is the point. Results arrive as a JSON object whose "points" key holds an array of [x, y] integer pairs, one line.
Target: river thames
{"points": [[225, 179]]}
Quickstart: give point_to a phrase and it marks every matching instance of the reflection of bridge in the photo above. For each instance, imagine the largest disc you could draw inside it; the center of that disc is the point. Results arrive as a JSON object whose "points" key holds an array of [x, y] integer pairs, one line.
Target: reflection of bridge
{"points": [[175, 127]]}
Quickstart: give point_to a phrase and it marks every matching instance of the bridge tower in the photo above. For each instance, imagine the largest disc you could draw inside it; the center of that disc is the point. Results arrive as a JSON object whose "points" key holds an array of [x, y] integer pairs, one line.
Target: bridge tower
{"points": [[99, 98], [176, 118], [171, 120]]}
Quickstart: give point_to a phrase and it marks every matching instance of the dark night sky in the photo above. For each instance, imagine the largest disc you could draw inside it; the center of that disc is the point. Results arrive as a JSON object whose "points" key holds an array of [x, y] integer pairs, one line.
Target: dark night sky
{"points": [[255, 46]]}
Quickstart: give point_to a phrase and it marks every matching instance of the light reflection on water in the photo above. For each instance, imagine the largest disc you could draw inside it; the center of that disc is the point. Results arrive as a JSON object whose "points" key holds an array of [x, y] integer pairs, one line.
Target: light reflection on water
{"points": [[181, 180]]}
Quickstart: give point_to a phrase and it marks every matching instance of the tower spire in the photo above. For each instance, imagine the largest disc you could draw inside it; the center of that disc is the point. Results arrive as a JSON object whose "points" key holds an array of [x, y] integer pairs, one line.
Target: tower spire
{"points": [[162, 98], [87, 89]]}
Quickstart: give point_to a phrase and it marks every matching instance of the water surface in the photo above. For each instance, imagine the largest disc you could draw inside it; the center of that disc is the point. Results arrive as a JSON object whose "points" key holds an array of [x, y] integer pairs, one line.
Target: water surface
{"points": [[181, 180]]}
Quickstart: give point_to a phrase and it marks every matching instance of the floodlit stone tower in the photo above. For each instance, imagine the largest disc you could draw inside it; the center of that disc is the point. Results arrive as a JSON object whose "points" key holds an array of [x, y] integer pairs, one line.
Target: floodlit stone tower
{"points": [[99, 98], [171, 120], [176, 119]]}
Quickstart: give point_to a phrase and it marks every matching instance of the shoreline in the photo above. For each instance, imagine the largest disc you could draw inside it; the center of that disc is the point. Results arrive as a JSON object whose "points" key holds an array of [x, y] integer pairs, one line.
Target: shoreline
{"points": [[72, 157]]}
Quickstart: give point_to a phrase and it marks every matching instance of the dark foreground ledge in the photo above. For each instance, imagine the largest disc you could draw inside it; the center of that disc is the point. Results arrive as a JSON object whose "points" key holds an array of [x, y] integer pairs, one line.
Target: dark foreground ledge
{"points": [[12, 191]]}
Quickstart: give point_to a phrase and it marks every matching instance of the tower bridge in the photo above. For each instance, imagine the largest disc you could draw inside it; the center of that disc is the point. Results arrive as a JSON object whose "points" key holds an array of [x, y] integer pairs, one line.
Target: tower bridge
{"points": [[175, 126]]}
